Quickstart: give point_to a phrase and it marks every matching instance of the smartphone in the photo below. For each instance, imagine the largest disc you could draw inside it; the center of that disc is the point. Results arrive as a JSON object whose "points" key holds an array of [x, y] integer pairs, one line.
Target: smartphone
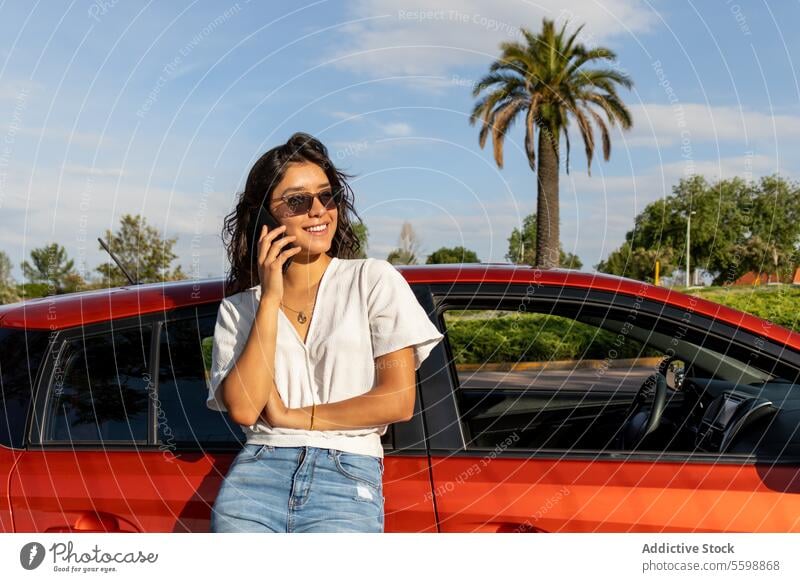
{"points": [[265, 217]]}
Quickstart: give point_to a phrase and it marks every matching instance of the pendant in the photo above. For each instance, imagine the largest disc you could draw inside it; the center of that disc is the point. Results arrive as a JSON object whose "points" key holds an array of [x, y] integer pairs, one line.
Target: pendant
{"points": [[301, 317]]}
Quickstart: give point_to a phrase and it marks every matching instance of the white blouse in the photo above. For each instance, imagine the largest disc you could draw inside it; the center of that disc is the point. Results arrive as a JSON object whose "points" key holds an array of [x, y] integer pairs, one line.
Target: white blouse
{"points": [[364, 308]]}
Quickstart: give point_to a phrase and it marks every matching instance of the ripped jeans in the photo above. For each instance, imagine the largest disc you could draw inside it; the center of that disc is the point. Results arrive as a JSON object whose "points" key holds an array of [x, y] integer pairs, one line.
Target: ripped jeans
{"points": [[300, 489]]}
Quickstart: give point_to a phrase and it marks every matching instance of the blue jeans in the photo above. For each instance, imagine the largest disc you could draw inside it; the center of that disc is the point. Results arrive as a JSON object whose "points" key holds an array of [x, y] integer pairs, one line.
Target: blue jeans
{"points": [[300, 489]]}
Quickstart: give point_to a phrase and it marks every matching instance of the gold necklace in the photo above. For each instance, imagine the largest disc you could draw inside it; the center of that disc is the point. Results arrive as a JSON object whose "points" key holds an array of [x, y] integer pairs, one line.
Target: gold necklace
{"points": [[301, 316]]}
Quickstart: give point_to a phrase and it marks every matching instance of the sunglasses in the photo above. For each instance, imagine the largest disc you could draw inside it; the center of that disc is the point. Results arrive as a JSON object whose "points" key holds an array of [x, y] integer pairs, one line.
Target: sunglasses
{"points": [[301, 202]]}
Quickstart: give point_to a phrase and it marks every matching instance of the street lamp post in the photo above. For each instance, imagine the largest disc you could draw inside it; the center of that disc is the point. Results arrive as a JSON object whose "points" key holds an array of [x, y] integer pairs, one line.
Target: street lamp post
{"points": [[688, 234]]}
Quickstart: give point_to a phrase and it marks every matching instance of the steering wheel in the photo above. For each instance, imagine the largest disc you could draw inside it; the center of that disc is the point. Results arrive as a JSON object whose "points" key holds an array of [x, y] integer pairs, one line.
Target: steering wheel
{"points": [[641, 422]]}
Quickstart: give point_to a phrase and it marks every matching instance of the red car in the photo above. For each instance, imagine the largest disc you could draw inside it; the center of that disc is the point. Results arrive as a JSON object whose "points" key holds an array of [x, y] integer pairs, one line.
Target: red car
{"points": [[559, 402]]}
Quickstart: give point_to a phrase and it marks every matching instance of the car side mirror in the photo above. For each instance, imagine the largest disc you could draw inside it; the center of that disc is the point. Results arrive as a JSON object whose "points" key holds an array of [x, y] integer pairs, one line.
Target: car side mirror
{"points": [[675, 373]]}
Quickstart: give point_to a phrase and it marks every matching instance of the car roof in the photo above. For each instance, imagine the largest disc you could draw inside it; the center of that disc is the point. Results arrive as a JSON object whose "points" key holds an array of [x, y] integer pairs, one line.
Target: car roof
{"points": [[86, 307]]}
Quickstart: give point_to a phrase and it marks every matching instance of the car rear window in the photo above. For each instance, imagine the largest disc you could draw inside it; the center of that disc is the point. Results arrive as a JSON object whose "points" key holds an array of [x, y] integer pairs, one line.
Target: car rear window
{"points": [[101, 394]]}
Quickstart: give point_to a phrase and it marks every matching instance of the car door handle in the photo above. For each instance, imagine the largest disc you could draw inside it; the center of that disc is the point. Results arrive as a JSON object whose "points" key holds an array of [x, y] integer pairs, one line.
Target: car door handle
{"points": [[89, 522]]}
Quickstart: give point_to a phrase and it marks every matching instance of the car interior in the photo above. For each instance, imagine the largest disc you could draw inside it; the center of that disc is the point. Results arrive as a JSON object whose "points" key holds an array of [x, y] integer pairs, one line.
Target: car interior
{"points": [[704, 394]]}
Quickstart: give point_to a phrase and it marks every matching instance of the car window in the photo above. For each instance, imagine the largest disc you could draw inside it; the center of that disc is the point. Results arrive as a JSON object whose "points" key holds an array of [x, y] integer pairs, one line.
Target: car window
{"points": [[540, 380], [102, 382], [184, 367], [100, 391], [184, 419], [561, 374], [21, 353]]}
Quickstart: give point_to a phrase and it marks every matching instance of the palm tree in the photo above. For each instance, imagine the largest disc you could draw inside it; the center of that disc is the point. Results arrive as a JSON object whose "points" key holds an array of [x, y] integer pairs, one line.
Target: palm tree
{"points": [[547, 78]]}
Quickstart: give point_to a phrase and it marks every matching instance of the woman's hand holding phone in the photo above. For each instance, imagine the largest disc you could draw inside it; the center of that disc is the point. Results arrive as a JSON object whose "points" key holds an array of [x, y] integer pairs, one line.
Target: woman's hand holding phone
{"points": [[271, 257], [270, 261]]}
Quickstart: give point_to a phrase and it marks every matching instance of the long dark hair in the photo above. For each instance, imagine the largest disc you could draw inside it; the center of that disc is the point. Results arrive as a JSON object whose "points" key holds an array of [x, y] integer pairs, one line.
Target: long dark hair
{"points": [[267, 173]]}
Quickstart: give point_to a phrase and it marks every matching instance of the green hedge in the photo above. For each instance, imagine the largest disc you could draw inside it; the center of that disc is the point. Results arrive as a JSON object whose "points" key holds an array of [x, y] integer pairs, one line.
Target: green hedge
{"points": [[495, 336], [486, 337], [778, 304]]}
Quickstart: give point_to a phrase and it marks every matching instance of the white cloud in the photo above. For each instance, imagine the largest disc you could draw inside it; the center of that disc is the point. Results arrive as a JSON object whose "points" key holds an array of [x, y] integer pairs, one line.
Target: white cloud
{"points": [[418, 37], [657, 182], [347, 115], [92, 171], [340, 151], [60, 134], [18, 89], [397, 129], [660, 125], [45, 205]]}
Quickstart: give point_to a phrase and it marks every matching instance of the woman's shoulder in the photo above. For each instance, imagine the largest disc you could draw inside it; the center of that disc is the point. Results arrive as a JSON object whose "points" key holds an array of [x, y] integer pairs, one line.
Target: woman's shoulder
{"points": [[369, 268], [242, 304], [355, 262], [241, 296], [354, 266], [366, 263]]}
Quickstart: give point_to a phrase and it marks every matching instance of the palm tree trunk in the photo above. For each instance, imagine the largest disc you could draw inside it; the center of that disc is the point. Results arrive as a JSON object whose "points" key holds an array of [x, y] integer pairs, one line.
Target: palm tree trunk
{"points": [[547, 235]]}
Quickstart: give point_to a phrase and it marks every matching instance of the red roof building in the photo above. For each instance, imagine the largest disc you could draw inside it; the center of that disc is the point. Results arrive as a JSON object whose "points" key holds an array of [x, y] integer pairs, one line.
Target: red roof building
{"points": [[753, 278]]}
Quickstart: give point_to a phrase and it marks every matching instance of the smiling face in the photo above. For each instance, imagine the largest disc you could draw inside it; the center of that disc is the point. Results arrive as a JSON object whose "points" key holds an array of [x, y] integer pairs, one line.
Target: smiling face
{"points": [[305, 178]]}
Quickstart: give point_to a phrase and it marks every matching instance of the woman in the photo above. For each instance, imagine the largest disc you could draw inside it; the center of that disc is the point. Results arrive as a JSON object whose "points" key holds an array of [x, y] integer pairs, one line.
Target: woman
{"points": [[313, 360]]}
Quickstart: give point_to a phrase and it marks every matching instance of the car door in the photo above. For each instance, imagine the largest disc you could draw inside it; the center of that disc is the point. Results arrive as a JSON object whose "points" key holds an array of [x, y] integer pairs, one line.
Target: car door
{"points": [[408, 499], [197, 445], [192, 446], [123, 439], [85, 466], [533, 448], [22, 352]]}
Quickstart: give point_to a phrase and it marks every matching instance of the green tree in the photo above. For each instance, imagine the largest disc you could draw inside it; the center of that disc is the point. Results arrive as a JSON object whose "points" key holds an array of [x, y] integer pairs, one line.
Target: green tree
{"points": [[401, 257], [638, 264], [717, 225], [8, 288], [522, 246], [408, 248], [50, 269], [737, 226], [452, 255], [775, 227], [6, 280], [143, 253], [547, 78], [362, 234], [767, 234]]}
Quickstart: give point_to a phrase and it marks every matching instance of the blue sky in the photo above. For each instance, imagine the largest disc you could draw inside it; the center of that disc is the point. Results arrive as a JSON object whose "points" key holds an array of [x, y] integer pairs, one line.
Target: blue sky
{"points": [[160, 109]]}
